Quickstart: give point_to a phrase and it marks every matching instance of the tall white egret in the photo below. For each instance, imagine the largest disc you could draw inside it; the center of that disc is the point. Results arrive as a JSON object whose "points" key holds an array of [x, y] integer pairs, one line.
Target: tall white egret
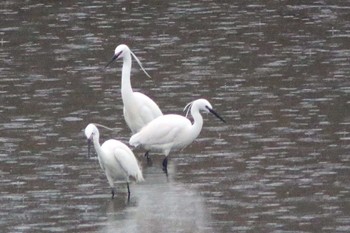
{"points": [[173, 132], [115, 158], [139, 109]]}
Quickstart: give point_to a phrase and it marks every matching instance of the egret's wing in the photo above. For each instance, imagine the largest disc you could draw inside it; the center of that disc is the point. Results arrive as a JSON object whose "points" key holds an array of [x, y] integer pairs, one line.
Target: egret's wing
{"points": [[128, 162], [138, 116], [162, 130], [148, 108], [163, 135]]}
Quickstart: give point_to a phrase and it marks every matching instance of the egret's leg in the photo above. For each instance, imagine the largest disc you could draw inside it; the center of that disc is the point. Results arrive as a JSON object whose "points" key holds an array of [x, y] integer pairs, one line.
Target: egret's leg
{"points": [[127, 184], [113, 192], [149, 161], [165, 165], [111, 184]]}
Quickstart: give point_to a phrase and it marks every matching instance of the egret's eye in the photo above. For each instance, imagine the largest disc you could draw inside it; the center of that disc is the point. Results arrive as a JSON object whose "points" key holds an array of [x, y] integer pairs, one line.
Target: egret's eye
{"points": [[118, 54]]}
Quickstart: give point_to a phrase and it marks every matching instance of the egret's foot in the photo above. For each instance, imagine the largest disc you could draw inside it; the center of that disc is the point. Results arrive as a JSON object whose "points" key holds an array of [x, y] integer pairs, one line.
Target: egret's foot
{"points": [[149, 161], [147, 154], [165, 165]]}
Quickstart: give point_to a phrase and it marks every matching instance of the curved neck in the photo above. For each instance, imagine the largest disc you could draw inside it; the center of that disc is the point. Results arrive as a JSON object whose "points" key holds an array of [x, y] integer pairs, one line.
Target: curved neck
{"points": [[197, 120], [96, 141], [126, 84]]}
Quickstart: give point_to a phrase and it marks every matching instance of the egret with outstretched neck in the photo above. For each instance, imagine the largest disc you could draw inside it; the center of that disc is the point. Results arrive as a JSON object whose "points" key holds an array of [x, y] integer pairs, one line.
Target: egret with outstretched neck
{"points": [[139, 109], [173, 132], [115, 158]]}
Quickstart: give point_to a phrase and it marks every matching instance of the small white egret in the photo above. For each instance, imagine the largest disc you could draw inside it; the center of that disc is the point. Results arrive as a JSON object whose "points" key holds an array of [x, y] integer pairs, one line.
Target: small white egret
{"points": [[172, 132], [139, 109], [115, 158]]}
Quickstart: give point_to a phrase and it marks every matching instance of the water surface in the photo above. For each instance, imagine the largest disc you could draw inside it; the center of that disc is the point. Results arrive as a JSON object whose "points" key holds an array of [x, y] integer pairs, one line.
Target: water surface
{"points": [[276, 71]]}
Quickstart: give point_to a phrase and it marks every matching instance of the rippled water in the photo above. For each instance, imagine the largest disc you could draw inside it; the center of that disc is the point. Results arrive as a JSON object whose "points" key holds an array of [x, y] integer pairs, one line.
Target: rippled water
{"points": [[278, 72]]}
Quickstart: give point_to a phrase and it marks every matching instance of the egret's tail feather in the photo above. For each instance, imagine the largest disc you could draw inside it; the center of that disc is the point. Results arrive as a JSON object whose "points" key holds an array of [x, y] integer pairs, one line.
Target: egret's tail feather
{"points": [[139, 176], [134, 140]]}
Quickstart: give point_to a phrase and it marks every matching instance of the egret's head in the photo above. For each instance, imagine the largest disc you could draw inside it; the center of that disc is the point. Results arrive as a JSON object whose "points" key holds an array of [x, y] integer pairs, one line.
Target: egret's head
{"points": [[122, 51], [203, 104], [91, 131], [119, 52]]}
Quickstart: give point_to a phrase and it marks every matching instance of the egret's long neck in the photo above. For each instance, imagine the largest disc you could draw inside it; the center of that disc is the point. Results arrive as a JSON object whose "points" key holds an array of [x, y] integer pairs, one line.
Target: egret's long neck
{"points": [[198, 121], [96, 141], [126, 84]]}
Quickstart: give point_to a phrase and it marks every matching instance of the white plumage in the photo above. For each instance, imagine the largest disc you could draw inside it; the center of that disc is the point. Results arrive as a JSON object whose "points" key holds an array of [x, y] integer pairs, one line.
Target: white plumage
{"points": [[139, 109], [172, 132], [115, 158]]}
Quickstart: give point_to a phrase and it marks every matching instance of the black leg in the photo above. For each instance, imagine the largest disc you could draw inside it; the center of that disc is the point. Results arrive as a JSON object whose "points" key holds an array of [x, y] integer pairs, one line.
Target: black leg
{"points": [[165, 165], [113, 193], [127, 184], [149, 161]]}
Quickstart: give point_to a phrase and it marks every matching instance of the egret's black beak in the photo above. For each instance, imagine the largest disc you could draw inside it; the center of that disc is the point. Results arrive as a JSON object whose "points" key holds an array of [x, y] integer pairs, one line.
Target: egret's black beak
{"points": [[89, 147], [215, 114], [115, 57]]}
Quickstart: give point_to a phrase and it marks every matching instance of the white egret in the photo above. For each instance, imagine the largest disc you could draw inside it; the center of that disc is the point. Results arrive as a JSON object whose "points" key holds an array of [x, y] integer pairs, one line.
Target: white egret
{"points": [[139, 109], [172, 132], [115, 158]]}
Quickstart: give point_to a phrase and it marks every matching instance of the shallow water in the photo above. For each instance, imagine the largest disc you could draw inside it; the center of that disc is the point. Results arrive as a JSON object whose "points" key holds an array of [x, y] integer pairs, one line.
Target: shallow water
{"points": [[278, 72]]}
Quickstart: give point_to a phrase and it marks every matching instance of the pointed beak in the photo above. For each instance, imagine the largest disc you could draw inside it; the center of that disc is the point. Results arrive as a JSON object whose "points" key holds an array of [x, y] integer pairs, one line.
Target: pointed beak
{"points": [[115, 57], [216, 114], [89, 147]]}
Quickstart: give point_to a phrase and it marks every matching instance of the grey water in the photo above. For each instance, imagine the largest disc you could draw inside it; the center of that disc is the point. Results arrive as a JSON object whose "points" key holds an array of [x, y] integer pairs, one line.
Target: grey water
{"points": [[276, 71]]}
